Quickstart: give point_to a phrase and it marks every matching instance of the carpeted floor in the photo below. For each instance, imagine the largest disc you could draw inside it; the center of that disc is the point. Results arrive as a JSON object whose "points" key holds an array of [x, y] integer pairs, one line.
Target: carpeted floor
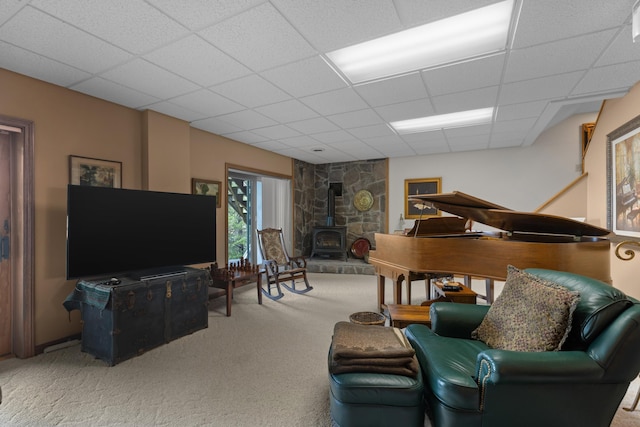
{"points": [[263, 366]]}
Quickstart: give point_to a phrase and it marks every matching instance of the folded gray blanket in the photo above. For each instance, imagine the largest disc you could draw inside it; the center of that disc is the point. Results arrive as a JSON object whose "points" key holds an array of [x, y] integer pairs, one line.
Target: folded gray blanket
{"points": [[365, 348]]}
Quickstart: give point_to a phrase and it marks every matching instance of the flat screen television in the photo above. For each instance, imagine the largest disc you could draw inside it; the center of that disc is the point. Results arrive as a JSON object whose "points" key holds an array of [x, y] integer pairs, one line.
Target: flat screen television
{"points": [[112, 231]]}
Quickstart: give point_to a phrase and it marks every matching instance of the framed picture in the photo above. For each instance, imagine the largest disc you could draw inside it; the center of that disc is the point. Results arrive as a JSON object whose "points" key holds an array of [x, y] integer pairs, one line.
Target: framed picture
{"points": [[623, 181], [206, 188], [95, 172], [420, 186]]}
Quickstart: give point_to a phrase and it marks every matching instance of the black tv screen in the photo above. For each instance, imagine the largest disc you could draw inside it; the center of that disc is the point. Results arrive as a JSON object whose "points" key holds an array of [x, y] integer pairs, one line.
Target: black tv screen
{"points": [[112, 231]]}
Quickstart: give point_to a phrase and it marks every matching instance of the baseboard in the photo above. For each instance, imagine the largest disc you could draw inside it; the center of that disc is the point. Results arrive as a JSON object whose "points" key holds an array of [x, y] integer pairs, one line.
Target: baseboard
{"points": [[59, 343]]}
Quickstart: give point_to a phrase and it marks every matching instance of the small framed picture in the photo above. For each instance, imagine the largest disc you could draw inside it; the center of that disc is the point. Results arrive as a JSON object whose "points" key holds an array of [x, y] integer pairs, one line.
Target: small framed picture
{"points": [[95, 172], [414, 187], [205, 187]]}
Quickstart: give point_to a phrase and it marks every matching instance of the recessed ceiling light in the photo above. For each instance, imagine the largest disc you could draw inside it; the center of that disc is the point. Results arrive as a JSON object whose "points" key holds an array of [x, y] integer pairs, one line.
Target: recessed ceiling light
{"points": [[468, 35], [317, 150], [444, 121]]}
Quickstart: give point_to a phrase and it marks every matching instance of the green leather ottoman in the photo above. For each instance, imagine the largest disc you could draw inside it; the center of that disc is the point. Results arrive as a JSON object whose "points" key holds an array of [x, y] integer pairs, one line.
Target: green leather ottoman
{"points": [[376, 400]]}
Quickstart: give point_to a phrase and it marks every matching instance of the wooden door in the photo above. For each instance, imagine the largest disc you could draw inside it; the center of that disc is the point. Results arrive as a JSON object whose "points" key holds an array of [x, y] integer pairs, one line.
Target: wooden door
{"points": [[5, 228]]}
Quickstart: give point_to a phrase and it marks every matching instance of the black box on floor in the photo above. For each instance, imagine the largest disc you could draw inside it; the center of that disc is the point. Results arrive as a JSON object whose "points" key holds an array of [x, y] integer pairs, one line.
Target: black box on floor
{"points": [[127, 319]]}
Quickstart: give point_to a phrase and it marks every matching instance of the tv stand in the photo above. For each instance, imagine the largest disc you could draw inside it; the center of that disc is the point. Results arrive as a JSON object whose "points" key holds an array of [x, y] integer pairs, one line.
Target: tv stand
{"points": [[124, 320]]}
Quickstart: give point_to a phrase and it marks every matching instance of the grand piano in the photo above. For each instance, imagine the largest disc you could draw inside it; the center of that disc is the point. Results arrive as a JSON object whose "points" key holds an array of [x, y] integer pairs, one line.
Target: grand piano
{"points": [[446, 244]]}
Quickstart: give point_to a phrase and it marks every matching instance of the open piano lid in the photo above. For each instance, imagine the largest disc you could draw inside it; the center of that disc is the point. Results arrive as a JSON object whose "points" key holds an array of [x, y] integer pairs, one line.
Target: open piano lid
{"points": [[478, 210]]}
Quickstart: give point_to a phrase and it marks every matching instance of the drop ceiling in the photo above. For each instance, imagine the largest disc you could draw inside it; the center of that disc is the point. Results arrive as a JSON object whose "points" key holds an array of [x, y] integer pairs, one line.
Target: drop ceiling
{"points": [[257, 72]]}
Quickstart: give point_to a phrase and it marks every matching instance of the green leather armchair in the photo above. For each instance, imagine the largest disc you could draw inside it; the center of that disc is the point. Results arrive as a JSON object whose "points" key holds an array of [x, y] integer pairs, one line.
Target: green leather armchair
{"points": [[469, 384]]}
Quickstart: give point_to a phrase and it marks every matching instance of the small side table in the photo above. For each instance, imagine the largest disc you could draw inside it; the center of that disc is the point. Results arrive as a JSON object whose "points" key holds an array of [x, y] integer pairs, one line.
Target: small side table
{"points": [[403, 315], [228, 280], [464, 295]]}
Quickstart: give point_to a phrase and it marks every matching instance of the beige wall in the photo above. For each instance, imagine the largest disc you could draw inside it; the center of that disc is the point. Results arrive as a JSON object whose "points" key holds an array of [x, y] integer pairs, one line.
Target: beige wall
{"points": [[151, 146], [614, 114]]}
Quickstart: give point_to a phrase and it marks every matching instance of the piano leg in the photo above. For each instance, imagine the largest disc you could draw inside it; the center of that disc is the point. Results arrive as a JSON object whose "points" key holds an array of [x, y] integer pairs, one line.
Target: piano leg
{"points": [[489, 286], [381, 291]]}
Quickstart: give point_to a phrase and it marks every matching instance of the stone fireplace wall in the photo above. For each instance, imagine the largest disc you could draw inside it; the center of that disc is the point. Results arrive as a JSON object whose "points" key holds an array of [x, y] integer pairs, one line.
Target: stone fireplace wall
{"points": [[311, 196]]}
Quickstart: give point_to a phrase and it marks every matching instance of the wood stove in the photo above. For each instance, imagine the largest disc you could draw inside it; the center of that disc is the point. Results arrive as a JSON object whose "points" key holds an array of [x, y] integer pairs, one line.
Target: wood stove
{"points": [[329, 241]]}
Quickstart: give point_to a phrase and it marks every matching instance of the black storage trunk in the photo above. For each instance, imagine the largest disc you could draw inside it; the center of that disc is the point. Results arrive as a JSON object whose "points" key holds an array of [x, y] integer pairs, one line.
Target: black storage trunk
{"points": [[143, 314]]}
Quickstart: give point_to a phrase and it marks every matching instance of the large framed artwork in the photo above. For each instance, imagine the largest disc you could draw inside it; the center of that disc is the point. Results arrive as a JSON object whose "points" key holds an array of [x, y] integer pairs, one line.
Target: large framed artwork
{"points": [[623, 181], [413, 187], [95, 172], [206, 188]]}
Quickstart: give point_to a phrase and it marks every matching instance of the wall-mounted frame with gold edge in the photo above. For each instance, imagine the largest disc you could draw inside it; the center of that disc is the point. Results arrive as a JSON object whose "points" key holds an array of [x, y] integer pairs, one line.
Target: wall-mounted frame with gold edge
{"points": [[206, 187], [95, 172], [623, 181], [413, 187]]}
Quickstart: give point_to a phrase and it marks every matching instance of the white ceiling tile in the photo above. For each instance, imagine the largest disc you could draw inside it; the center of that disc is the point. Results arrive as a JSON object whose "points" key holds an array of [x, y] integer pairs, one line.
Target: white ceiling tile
{"points": [[334, 102], [566, 18], [467, 143], [467, 131], [247, 119], [372, 131], [522, 125], [304, 155], [506, 139], [299, 141], [332, 24], [468, 75], [201, 13], [173, 110], [400, 150], [623, 49], [260, 38], [612, 77], [198, 61], [521, 111], [406, 110], [150, 79], [316, 125], [307, 77], [577, 53], [247, 137], [216, 126], [37, 66], [552, 87], [55, 39], [287, 111], [417, 12], [432, 137], [463, 101], [332, 137], [8, 8], [208, 103], [276, 132], [251, 91], [355, 119], [427, 142], [271, 145], [380, 141], [396, 90], [131, 25], [104, 89]]}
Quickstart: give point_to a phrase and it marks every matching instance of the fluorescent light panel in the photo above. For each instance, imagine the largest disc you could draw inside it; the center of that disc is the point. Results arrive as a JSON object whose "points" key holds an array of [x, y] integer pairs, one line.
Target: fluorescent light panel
{"points": [[444, 121], [471, 34]]}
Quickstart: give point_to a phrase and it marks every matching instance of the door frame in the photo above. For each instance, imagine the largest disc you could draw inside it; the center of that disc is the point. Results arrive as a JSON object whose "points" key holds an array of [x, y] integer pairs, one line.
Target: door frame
{"points": [[22, 237], [257, 172]]}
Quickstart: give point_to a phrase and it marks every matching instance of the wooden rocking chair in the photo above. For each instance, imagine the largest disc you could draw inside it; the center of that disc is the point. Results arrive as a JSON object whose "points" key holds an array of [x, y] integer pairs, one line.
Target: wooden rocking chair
{"points": [[279, 266]]}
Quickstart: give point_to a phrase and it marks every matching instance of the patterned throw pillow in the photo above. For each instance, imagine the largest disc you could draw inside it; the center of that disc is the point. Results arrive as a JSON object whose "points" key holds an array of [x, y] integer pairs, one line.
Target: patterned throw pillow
{"points": [[531, 314]]}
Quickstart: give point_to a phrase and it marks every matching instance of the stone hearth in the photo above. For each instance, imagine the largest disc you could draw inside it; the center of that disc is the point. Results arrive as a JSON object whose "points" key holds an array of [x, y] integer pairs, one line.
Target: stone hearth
{"points": [[350, 266]]}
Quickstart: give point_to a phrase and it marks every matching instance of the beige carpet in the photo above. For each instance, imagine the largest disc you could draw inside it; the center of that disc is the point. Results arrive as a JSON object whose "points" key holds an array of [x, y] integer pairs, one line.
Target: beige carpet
{"points": [[263, 366]]}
